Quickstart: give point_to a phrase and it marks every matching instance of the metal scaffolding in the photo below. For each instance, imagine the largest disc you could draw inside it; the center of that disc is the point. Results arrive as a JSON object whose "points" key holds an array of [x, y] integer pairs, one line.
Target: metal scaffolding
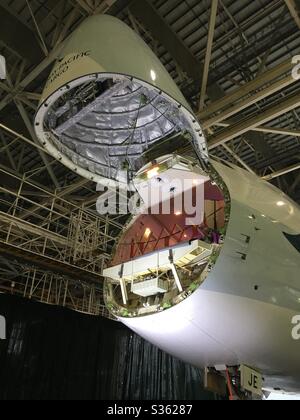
{"points": [[63, 245], [53, 289]]}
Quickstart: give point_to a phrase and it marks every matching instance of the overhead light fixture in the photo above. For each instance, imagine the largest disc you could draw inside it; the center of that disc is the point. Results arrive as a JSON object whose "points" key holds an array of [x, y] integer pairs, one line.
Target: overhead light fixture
{"points": [[153, 172], [147, 233], [280, 203]]}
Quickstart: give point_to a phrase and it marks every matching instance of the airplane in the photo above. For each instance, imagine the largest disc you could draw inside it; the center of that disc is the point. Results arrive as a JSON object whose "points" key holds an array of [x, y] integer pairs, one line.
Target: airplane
{"points": [[217, 286]]}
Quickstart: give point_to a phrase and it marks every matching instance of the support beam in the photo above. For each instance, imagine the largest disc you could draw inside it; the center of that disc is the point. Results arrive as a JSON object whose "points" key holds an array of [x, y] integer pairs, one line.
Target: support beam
{"points": [[176, 277], [32, 134], [259, 145], [32, 96], [25, 226], [210, 39], [269, 39], [250, 87], [250, 100], [84, 6], [20, 137], [104, 6], [39, 33], [295, 184], [32, 76], [8, 153], [53, 55], [268, 129], [47, 263], [147, 14], [282, 172], [280, 131], [247, 125], [238, 159], [294, 11], [61, 195], [124, 291], [19, 37]]}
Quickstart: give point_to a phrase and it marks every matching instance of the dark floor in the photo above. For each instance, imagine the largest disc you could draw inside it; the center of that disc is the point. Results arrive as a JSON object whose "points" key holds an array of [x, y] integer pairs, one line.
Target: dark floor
{"points": [[53, 353]]}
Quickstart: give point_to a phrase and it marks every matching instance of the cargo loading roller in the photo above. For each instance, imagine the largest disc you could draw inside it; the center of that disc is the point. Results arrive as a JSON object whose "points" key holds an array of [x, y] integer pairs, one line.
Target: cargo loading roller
{"points": [[222, 290]]}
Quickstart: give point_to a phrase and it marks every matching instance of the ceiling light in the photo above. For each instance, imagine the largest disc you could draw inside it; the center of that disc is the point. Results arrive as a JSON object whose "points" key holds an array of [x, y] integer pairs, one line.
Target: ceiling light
{"points": [[147, 233], [153, 172], [280, 203]]}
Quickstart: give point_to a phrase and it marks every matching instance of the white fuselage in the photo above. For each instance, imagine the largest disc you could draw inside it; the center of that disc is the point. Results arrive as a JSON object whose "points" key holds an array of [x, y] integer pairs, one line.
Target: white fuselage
{"points": [[242, 313]]}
